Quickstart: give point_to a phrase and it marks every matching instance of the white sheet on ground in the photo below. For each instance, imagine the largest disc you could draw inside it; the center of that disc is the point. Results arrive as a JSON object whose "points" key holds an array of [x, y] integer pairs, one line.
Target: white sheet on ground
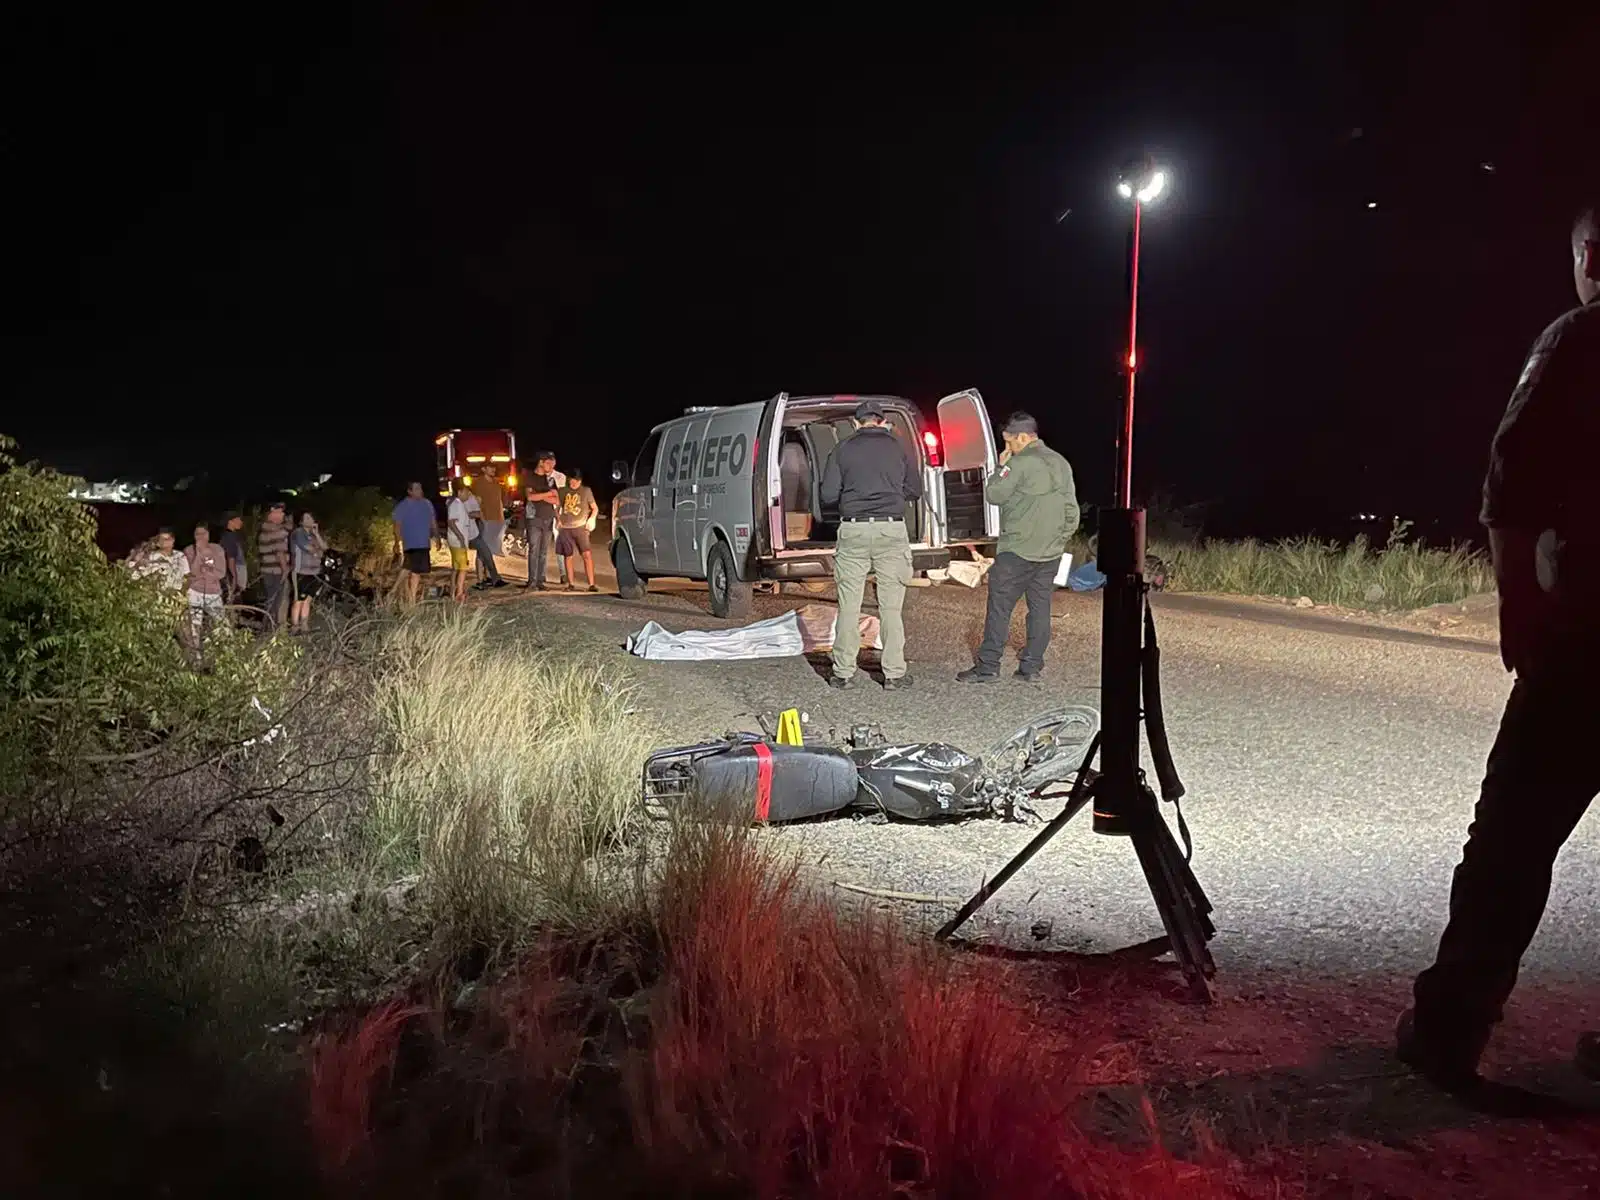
{"points": [[811, 628]]}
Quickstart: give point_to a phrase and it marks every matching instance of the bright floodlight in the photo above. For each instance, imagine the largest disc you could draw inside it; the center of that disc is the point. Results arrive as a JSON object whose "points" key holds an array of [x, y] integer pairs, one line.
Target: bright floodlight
{"points": [[1157, 185], [1141, 180]]}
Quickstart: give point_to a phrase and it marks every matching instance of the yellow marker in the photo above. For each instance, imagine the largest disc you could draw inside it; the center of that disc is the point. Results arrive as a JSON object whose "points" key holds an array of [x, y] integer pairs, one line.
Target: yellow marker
{"points": [[789, 728]]}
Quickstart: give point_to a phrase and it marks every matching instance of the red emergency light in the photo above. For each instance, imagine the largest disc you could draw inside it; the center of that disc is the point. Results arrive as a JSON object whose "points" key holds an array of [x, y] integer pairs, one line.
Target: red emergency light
{"points": [[930, 439]]}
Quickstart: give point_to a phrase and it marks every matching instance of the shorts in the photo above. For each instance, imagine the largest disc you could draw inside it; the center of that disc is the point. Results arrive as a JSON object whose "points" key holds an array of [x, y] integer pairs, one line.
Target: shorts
{"points": [[459, 560], [308, 587], [572, 541], [418, 562]]}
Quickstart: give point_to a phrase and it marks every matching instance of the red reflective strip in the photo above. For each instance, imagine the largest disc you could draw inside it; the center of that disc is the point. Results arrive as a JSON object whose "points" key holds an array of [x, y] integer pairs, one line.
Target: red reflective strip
{"points": [[763, 780]]}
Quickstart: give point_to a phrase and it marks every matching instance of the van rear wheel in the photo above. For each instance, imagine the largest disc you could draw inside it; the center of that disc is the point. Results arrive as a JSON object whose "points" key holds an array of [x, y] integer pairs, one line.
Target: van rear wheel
{"points": [[630, 585], [729, 596]]}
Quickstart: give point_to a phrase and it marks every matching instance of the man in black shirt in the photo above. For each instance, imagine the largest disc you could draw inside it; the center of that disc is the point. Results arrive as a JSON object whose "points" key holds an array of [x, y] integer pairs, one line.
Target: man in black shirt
{"points": [[238, 577], [871, 479], [1541, 503], [539, 517]]}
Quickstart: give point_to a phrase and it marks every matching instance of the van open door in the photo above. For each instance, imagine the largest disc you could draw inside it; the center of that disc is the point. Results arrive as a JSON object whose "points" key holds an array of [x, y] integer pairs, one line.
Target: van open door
{"points": [[770, 498], [967, 439]]}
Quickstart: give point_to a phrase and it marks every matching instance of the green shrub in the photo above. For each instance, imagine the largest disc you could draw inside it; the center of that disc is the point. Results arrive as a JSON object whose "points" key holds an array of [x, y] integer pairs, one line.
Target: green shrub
{"points": [[358, 522], [91, 667]]}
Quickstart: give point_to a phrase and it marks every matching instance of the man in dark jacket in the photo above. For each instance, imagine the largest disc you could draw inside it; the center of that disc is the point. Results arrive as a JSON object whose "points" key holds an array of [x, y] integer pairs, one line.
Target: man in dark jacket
{"points": [[871, 478], [1543, 513], [1032, 486]]}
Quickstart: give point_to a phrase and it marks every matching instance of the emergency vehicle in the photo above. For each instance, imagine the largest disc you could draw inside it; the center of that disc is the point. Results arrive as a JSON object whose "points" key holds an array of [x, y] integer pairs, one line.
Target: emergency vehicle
{"points": [[733, 495]]}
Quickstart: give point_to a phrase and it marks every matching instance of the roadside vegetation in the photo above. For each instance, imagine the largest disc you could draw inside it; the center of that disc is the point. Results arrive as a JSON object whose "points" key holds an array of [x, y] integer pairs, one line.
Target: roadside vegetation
{"points": [[1401, 575], [379, 911]]}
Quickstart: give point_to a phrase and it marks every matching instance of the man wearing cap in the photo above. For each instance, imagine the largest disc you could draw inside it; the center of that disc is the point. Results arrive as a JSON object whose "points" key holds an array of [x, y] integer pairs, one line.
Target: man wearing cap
{"points": [[870, 478], [272, 554], [1032, 486]]}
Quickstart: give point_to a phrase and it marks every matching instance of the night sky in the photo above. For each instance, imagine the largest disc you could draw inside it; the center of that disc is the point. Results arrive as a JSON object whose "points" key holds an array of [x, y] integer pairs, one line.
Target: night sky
{"points": [[261, 244]]}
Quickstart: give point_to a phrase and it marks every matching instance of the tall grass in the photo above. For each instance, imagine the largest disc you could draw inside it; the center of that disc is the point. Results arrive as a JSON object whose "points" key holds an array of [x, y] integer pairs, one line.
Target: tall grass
{"points": [[1396, 577], [507, 777], [775, 1048]]}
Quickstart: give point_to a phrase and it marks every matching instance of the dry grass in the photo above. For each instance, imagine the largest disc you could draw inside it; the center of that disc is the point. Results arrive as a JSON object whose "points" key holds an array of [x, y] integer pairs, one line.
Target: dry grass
{"points": [[773, 1048], [507, 779], [1400, 576]]}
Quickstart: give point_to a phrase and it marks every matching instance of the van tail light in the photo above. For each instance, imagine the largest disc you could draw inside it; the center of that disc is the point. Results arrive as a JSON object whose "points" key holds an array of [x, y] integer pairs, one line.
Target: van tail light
{"points": [[930, 440]]}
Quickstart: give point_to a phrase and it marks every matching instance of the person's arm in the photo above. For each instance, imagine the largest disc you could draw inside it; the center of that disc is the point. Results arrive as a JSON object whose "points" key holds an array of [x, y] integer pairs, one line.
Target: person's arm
{"points": [[1002, 484], [1521, 491], [459, 531], [912, 488], [594, 506], [1069, 499], [832, 480], [399, 533]]}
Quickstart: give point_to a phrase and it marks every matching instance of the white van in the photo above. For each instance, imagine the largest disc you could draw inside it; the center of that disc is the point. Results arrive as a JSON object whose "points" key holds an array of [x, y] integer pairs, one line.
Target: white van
{"points": [[733, 495]]}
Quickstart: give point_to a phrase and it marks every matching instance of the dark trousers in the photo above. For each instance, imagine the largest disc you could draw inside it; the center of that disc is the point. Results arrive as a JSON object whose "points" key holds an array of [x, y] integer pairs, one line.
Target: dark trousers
{"points": [[485, 555], [1011, 578], [1541, 776], [277, 597], [540, 535]]}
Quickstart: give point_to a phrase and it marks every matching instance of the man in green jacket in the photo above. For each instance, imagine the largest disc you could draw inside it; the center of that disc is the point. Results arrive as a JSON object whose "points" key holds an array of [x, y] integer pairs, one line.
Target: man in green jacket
{"points": [[1032, 485]]}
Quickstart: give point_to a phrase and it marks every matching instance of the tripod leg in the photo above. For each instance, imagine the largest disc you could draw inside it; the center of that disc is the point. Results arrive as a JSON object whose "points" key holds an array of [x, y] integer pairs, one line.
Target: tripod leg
{"points": [[1197, 924], [1076, 799], [1183, 876], [1179, 918]]}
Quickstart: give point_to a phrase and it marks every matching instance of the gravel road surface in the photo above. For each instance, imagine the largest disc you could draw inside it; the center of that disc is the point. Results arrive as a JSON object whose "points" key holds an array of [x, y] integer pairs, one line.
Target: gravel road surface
{"points": [[1331, 770]]}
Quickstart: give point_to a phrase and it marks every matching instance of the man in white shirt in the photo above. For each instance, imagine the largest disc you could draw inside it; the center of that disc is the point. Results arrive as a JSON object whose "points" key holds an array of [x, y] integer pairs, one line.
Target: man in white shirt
{"points": [[460, 532]]}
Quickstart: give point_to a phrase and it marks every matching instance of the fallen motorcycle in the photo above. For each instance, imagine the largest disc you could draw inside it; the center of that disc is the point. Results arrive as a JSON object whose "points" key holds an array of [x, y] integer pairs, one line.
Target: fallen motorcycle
{"points": [[753, 776]]}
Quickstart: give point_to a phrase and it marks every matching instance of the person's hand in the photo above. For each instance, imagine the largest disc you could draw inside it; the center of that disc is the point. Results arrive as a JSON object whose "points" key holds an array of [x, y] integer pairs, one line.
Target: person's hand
{"points": [[1524, 621], [1005, 455]]}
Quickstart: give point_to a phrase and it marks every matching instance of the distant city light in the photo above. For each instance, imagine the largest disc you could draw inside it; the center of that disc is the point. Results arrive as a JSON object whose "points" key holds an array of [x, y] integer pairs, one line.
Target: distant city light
{"points": [[1372, 204], [115, 492]]}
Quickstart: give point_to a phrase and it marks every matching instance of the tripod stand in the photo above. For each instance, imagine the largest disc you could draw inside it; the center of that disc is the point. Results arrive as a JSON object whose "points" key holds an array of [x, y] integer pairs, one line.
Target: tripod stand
{"points": [[1123, 803]]}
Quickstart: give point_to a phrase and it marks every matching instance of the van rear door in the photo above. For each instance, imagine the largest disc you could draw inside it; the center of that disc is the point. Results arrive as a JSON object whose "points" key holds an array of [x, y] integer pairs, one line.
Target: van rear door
{"points": [[967, 440]]}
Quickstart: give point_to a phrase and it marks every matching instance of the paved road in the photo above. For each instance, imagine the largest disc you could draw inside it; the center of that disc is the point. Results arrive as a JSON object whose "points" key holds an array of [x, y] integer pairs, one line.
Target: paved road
{"points": [[1331, 770]]}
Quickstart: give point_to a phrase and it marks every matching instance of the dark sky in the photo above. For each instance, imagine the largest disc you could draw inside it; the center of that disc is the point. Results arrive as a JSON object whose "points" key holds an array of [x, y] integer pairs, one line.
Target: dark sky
{"points": [[257, 242]]}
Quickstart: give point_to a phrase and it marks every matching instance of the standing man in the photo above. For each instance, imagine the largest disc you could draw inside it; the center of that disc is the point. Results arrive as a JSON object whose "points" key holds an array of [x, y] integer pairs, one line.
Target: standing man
{"points": [[480, 543], [492, 505], [1543, 513], [233, 554], [575, 513], [539, 515], [272, 554], [1032, 486], [871, 479], [414, 524]]}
